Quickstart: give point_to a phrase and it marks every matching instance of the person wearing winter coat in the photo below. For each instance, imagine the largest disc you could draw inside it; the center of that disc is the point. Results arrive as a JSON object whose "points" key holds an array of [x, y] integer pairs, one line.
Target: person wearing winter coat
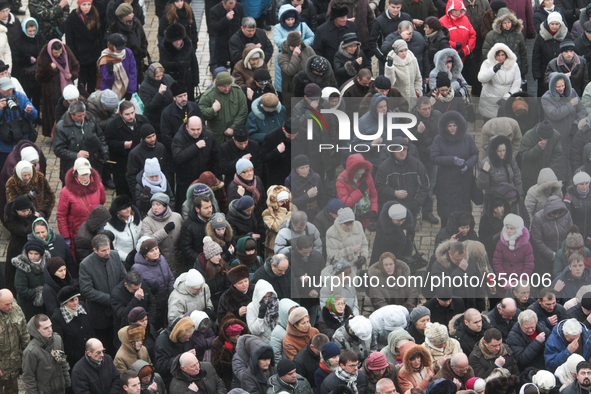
{"points": [[29, 278], [130, 27], [155, 93], [248, 34], [345, 272], [276, 342], [549, 228], [557, 349], [522, 110], [507, 30], [306, 9], [389, 266], [252, 59], [548, 185], [544, 9], [288, 380], [56, 277], [125, 224], [84, 36], [552, 33], [299, 332], [264, 303], [177, 56], [579, 158], [172, 342], [147, 376], [267, 114], [370, 124], [181, 13], [346, 374], [190, 293], [334, 314], [346, 239], [29, 182], [568, 62], [131, 349], [505, 126], [223, 347], [356, 335], [187, 371], [97, 219], [455, 152], [500, 76], [291, 62], [563, 109], [150, 182], [460, 227], [462, 35], [396, 339], [487, 351], [499, 166], [489, 232], [572, 278], [278, 210], [528, 351], [252, 363], [355, 187], [395, 232], [83, 191], [437, 38], [416, 371], [349, 60], [573, 243], [540, 148], [329, 35], [236, 299], [317, 70], [513, 255], [26, 47], [383, 25], [403, 70], [448, 61], [577, 203], [307, 192], [468, 328]]}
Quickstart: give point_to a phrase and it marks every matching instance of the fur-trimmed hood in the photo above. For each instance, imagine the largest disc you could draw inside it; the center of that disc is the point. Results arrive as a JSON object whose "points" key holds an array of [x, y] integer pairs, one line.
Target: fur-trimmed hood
{"points": [[425, 357], [511, 60], [441, 58], [560, 34], [248, 52], [458, 119], [504, 14], [272, 193], [23, 263], [493, 157], [568, 89], [346, 54], [548, 184], [210, 232], [259, 112], [77, 188], [226, 322], [458, 320], [441, 254], [356, 162]]}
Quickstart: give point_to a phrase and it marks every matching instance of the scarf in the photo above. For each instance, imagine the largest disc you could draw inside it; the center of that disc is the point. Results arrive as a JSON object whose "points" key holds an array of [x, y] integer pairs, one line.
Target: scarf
{"points": [[350, 380], [247, 259], [69, 314], [325, 368], [445, 99], [155, 187], [121, 79], [272, 312], [252, 188], [229, 345], [583, 195], [61, 63], [92, 363], [570, 66], [511, 239]]}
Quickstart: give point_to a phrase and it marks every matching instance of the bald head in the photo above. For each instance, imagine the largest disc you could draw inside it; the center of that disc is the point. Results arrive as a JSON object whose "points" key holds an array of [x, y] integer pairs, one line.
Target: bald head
{"points": [[95, 350], [473, 320], [189, 363], [459, 364], [6, 300], [507, 308], [194, 126]]}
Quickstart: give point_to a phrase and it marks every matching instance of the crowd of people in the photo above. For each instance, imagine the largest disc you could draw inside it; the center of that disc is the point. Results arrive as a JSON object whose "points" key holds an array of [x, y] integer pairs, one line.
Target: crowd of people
{"points": [[249, 249]]}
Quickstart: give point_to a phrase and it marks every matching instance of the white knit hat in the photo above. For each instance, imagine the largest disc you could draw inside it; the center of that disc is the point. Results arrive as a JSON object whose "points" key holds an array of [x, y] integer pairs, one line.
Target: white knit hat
{"points": [[479, 384], [436, 333], [361, 327], [554, 17], [346, 215], [194, 278], [581, 177], [544, 380], [71, 93]]}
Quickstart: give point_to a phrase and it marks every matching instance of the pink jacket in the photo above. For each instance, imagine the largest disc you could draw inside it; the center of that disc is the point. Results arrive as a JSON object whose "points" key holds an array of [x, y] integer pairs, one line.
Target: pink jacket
{"points": [[518, 261]]}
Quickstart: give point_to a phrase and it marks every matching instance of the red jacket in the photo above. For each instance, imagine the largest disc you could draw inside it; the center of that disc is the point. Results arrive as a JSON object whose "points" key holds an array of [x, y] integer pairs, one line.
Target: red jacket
{"points": [[349, 195], [460, 29], [76, 202]]}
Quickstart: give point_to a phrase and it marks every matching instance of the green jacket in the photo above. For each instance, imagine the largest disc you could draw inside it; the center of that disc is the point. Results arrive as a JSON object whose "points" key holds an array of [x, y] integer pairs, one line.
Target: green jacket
{"points": [[233, 112], [534, 158], [41, 372], [13, 340], [276, 385]]}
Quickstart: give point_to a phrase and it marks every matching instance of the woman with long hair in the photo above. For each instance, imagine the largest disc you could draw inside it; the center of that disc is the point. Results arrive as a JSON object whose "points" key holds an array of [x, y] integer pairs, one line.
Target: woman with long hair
{"points": [[216, 269], [179, 11], [84, 36]]}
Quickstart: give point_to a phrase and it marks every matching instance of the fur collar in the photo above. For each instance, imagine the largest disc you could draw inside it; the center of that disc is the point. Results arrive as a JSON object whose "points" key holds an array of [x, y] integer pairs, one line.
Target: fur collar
{"points": [[559, 36], [494, 143], [78, 189], [442, 257], [119, 224], [488, 355], [516, 24], [23, 263], [458, 319], [209, 231]]}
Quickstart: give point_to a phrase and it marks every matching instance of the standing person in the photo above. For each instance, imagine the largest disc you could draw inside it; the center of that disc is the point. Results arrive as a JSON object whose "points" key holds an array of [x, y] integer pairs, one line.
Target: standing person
{"points": [[524, 10], [29, 182], [125, 224], [57, 67], [30, 277], [155, 92], [51, 16], [177, 55], [84, 37], [224, 21], [26, 49], [572, 65], [403, 70], [117, 67], [329, 35], [553, 31], [462, 36], [56, 277], [96, 370], [13, 340], [45, 368], [180, 12]]}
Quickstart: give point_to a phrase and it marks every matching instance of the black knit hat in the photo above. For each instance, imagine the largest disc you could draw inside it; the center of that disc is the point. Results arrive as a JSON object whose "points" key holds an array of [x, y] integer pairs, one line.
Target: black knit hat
{"points": [[285, 366], [21, 203], [545, 130], [240, 133], [146, 130], [35, 245], [299, 161], [443, 80], [433, 23], [567, 45], [382, 82], [67, 293], [287, 125], [586, 301], [262, 76], [496, 5]]}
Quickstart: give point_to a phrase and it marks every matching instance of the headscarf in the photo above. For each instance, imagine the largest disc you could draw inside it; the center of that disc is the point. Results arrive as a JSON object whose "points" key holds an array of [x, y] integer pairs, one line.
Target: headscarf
{"points": [[24, 26], [23, 166]]}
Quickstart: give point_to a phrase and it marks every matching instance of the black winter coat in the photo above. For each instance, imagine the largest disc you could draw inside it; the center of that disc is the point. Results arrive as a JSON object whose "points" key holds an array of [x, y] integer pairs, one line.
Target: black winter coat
{"points": [[166, 351], [443, 315], [328, 38], [328, 323], [230, 154], [122, 302], [97, 218], [207, 380], [467, 338], [579, 77], [181, 63], [527, 352], [484, 366], [232, 300], [136, 38], [172, 118], [345, 67], [242, 224], [138, 11], [281, 284], [155, 102], [19, 227], [497, 321], [182, 19], [191, 240], [194, 160], [277, 165], [425, 139], [238, 42], [546, 48], [576, 312], [50, 289], [392, 238], [260, 205], [13, 25], [104, 380], [137, 159], [306, 364], [436, 43], [23, 48], [85, 44], [382, 26], [77, 332], [222, 29], [117, 132], [543, 315], [332, 382]]}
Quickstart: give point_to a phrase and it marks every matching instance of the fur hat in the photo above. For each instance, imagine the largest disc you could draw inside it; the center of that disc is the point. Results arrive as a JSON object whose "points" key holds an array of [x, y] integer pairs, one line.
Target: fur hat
{"points": [[210, 248], [71, 93], [346, 215], [237, 274], [361, 327], [515, 221], [181, 328], [581, 177], [135, 332], [294, 38], [175, 32], [436, 333], [297, 314], [240, 133], [148, 245], [496, 5], [338, 10], [177, 88], [574, 239], [54, 264], [67, 293], [21, 203], [312, 91], [123, 10], [194, 278], [120, 202]]}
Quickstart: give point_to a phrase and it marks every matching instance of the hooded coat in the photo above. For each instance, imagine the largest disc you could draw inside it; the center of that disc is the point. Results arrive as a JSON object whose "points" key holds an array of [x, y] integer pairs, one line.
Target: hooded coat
{"points": [[579, 77], [405, 74], [548, 185], [392, 238], [498, 85], [501, 170], [534, 159], [45, 199], [514, 262], [348, 189], [458, 82], [243, 71], [467, 338], [93, 223], [28, 282], [453, 187], [548, 233], [564, 117], [249, 377], [513, 38], [274, 216], [280, 330], [256, 325], [126, 233], [340, 243], [407, 376], [460, 29], [127, 355], [384, 294], [502, 125], [546, 48], [182, 301], [52, 286], [556, 352], [260, 122]]}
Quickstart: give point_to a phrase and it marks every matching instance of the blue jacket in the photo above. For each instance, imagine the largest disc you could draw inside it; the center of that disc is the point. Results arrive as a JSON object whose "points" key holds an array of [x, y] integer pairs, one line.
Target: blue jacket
{"points": [[556, 352], [255, 8], [281, 31], [261, 122], [9, 115], [571, 285]]}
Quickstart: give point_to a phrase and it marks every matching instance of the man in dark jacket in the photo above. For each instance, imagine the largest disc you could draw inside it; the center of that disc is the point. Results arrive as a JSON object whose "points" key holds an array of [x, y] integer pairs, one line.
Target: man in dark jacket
{"points": [[491, 353], [130, 293], [395, 233], [583, 382], [177, 113], [443, 307], [122, 135], [193, 231], [307, 360], [528, 352], [402, 178], [384, 25], [249, 34], [172, 342], [581, 311], [240, 147], [99, 273], [358, 86], [569, 62], [78, 134], [503, 316], [469, 328], [549, 312], [95, 372], [457, 367], [348, 365], [195, 150], [307, 263], [96, 219], [148, 148], [329, 35], [224, 21], [421, 10], [287, 380], [277, 272], [416, 43], [276, 153], [189, 375]]}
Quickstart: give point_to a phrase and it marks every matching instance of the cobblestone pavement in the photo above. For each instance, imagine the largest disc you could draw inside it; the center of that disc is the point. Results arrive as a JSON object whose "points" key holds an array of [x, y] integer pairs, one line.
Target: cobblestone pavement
{"points": [[426, 232]]}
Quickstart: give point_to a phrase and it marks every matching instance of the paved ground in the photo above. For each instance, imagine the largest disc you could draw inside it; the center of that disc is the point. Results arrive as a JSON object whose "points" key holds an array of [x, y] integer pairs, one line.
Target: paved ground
{"points": [[425, 232]]}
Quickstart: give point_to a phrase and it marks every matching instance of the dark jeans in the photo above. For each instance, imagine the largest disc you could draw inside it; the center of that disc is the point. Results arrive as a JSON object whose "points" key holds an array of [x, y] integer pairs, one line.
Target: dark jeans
{"points": [[121, 186]]}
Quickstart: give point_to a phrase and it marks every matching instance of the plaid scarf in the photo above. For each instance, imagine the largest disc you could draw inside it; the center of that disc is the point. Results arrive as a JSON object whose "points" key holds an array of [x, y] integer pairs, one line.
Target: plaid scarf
{"points": [[252, 188], [68, 317], [346, 377]]}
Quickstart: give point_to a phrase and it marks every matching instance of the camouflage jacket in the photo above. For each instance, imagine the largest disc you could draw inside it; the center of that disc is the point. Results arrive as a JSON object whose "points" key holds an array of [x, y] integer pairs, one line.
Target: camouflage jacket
{"points": [[50, 15], [13, 340]]}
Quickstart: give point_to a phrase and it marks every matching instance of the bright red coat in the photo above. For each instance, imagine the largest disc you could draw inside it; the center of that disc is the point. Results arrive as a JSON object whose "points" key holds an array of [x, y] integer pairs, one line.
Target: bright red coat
{"points": [[76, 202], [460, 29], [349, 195]]}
